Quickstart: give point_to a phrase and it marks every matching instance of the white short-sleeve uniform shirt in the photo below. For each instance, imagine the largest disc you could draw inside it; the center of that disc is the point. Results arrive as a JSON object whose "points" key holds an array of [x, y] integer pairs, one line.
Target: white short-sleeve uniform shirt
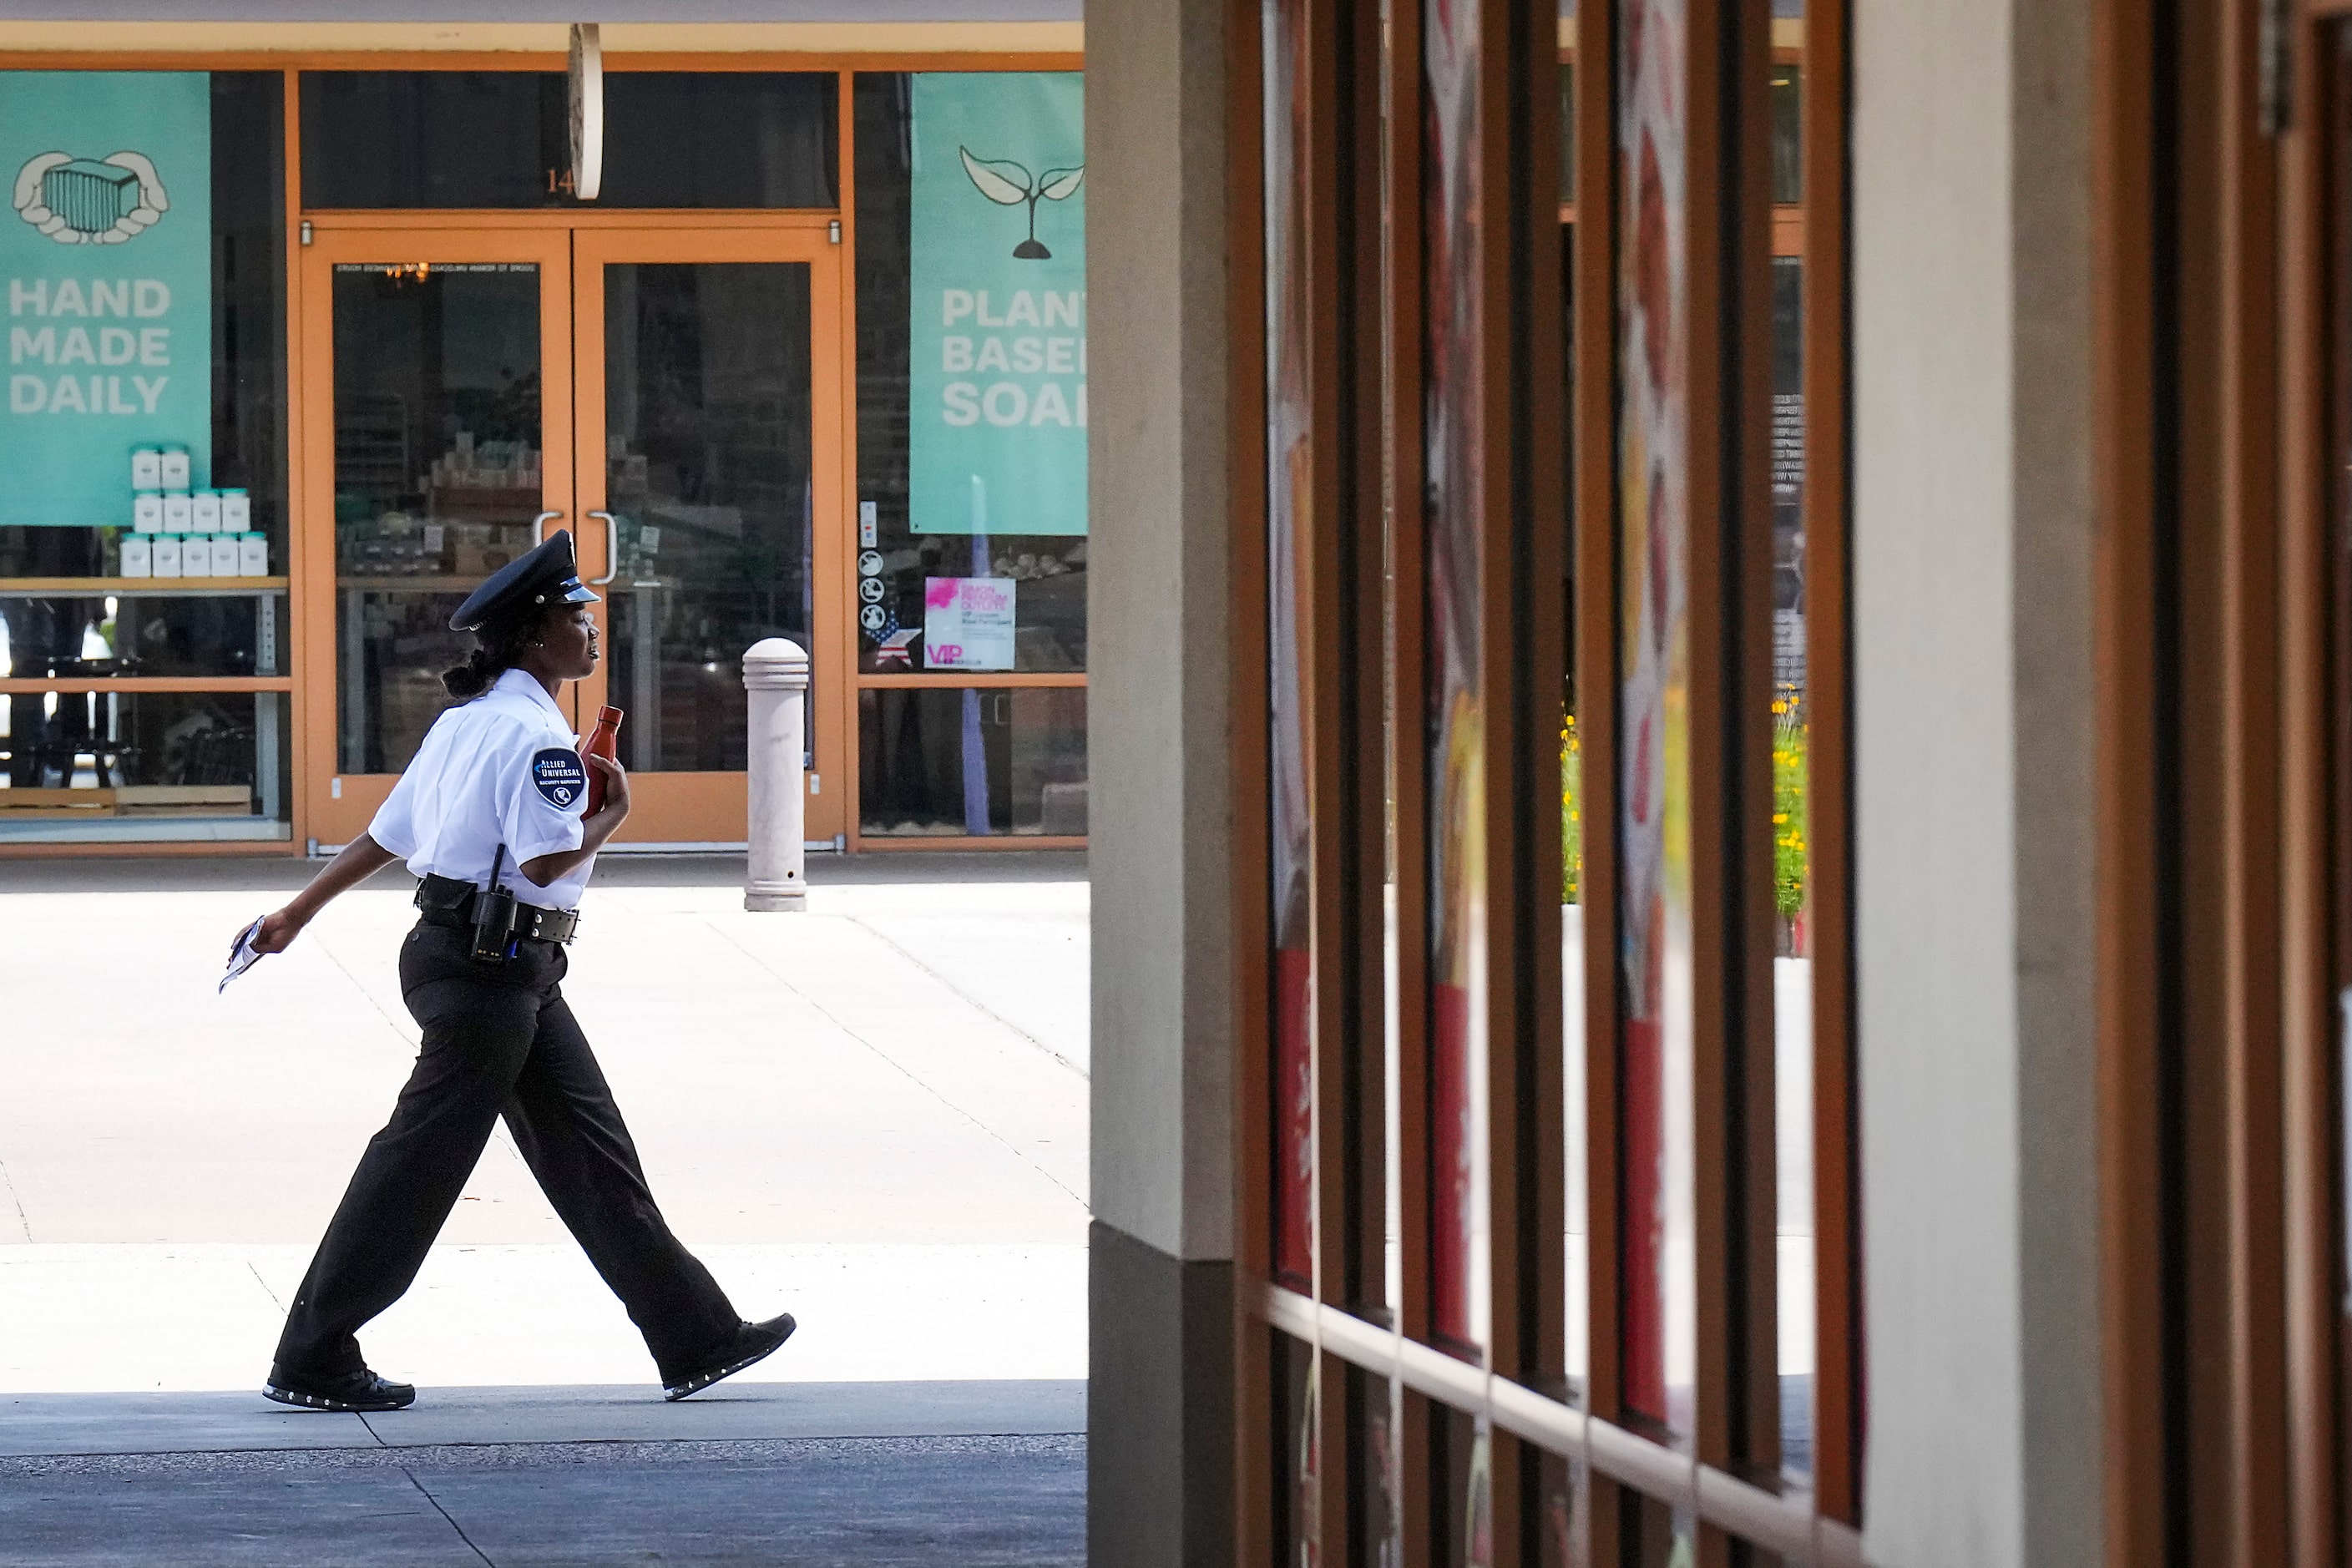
{"points": [[502, 769]]}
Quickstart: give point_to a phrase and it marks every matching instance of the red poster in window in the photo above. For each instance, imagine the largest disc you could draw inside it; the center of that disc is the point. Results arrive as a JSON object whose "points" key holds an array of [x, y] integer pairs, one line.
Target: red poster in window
{"points": [[1643, 1088], [1659, 1242], [1294, 1114], [1452, 1196], [1453, 433], [1290, 426]]}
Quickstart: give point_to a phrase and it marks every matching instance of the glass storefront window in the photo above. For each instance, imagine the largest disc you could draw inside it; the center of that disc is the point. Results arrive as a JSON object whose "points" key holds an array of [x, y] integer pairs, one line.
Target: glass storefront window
{"points": [[100, 766], [1567, 133], [948, 761], [377, 140], [1792, 963], [432, 393], [248, 358], [142, 631], [1787, 166], [1049, 571], [723, 138]]}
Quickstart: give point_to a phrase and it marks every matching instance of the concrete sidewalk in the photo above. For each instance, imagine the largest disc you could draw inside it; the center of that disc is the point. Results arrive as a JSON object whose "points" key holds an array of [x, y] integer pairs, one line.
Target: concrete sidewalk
{"points": [[904, 1502], [37, 1425], [873, 1115]]}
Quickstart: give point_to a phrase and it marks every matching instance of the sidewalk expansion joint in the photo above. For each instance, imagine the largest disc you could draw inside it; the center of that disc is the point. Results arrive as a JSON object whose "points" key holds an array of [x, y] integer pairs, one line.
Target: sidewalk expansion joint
{"points": [[16, 1203], [443, 1512], [900, 1068], [970, 1000]]}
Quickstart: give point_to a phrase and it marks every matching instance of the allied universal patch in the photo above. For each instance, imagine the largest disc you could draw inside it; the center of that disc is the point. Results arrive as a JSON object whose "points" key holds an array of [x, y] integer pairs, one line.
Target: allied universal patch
{"points": [[558, 776]]}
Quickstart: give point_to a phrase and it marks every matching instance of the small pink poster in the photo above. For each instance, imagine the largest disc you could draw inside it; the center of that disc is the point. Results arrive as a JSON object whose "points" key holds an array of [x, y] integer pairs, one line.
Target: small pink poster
{"points": [[968, 623]]}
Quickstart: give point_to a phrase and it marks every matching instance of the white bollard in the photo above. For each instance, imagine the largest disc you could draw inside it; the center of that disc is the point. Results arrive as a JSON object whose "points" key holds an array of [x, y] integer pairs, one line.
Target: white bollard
{"points": [[775, 682]]}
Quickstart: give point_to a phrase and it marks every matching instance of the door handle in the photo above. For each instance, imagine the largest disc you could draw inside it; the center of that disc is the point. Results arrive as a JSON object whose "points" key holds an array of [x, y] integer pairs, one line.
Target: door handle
{"points": [[539, 526], [612, 549]]}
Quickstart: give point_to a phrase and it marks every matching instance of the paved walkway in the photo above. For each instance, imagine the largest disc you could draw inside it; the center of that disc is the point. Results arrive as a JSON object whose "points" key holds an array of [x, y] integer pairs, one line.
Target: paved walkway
{"points": [[873, 1115], [921, 1503]]}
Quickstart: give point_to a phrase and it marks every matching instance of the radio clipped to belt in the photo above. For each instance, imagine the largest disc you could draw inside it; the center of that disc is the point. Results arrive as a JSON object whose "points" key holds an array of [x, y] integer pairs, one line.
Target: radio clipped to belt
{"points": [[498, 922], [494, 916]]}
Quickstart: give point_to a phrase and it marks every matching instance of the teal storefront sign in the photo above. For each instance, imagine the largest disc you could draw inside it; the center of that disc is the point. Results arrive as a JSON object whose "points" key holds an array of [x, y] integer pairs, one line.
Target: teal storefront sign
{"points": [[998, 351], [106, 256]]}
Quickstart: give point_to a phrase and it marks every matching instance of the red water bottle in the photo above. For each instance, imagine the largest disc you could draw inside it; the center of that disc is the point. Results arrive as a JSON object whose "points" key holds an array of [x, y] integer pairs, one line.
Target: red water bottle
{"points": [[604, 741]]}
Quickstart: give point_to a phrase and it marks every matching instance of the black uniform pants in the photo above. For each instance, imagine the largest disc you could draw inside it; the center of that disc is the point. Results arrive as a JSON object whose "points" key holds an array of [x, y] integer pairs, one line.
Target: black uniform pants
{"points": [[499, 1039]]}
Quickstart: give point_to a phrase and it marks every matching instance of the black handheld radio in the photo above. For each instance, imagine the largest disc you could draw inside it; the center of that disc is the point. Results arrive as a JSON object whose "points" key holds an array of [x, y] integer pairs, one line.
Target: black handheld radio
{"points": [[494, 916]]}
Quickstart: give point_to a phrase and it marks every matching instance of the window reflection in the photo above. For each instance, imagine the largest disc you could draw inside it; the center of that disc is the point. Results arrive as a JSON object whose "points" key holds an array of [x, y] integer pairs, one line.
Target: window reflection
{"points": [[942, 762], [438, 480], [1792, 964], [96, 766], [707, 456]]}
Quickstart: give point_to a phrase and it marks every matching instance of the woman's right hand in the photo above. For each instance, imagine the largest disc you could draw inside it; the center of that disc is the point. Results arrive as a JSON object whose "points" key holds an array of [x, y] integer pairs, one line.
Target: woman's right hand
{"points": [[278, 930]]}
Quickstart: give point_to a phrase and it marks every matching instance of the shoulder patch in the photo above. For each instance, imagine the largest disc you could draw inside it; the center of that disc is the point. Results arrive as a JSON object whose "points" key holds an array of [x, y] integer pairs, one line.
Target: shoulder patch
{"points": [[558, 776]]}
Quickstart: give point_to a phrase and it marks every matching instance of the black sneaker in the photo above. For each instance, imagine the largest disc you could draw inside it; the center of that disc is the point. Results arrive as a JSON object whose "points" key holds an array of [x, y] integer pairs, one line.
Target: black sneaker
{"points": [[753, 1342], [360, 1390]]}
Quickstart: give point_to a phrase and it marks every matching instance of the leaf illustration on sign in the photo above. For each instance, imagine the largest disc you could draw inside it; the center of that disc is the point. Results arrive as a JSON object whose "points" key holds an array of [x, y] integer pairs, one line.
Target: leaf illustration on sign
{"points": [[85, 201], [1008, 185]]}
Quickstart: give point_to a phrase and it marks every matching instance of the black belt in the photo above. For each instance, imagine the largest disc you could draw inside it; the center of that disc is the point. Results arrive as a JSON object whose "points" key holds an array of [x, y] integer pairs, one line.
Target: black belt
{"points": [[449, 901]]}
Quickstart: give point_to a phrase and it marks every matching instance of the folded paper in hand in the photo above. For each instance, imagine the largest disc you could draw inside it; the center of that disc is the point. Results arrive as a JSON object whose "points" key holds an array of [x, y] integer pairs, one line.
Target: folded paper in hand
{"points": [[242, 955]]}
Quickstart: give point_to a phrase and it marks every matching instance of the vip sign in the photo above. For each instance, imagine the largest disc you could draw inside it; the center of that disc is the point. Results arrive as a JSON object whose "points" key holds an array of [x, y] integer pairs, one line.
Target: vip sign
{"points": [[107, 256], [998, 314], [968, 623]]}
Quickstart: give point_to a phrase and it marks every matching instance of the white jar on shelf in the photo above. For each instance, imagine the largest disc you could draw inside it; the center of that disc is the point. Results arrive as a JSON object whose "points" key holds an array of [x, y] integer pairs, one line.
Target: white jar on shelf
{"points": [[167, 555], [179, 511], [138, 559], [146, 469], [176, 468], [147, 511], [252, 554], [236, 511], [206, 510]]}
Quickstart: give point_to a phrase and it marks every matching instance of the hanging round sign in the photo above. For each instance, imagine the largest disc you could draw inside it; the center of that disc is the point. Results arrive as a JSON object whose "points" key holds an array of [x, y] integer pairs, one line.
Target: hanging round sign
{"points": [[587, 80]]}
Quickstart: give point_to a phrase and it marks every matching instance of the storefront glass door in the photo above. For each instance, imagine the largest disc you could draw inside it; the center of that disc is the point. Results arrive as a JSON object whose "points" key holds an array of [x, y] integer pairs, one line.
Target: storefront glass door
{"points": [[711, 475], [432, 362], [670, 395]]}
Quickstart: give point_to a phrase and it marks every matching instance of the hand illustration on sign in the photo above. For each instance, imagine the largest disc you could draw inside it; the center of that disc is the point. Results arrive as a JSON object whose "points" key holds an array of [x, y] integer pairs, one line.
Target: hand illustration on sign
{"points": [[1010, 185], [83, 200]]}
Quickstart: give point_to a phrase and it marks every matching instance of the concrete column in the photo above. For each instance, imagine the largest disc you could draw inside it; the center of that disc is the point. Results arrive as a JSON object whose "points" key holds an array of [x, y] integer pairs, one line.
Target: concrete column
{"points": [[775, 684], [1160, 1406], [1973, 694]]}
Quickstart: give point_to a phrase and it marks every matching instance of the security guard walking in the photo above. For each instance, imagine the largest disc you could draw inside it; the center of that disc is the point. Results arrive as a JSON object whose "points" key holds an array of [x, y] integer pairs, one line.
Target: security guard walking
{"points": [[489, 815]]}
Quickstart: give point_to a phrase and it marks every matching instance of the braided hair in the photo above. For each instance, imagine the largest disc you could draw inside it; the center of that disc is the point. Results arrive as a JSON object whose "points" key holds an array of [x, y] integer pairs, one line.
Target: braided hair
{"points": [[498, 647]]}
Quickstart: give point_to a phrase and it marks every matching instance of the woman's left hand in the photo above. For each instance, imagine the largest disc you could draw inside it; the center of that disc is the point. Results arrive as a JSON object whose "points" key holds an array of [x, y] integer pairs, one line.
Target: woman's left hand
{"points": [[616, 808], [595, 830]]}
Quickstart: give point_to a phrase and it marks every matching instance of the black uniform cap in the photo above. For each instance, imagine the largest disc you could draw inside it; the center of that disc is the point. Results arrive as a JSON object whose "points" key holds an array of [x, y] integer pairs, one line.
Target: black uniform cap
{"points": [[547, 576]]}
